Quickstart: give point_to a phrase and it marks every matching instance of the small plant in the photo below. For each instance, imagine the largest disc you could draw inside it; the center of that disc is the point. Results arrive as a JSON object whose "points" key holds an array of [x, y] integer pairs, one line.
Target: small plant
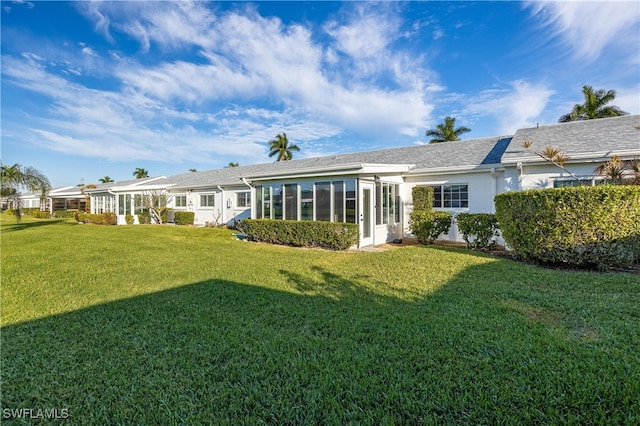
{"points": [[129, 219]]}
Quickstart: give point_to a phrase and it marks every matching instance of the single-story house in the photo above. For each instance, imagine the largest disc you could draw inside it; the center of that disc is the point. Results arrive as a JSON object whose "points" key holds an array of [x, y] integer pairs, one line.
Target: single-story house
{"points": [[374, 188]]}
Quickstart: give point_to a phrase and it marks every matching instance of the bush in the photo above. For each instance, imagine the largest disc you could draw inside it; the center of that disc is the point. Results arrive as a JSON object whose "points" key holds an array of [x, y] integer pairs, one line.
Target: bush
{"points": [[40, 214], [478, 230], [422, 197], [98, 219], [10, 212], [581, 226], [128, 219], [64, 214], [144, 217], [30, 211], [183, 218], [329, 235], [428, 225]]}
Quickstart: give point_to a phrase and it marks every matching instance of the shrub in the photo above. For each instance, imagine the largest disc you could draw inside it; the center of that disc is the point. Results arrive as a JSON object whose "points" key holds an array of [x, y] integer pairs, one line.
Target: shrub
{"points": [[428, 225], [128, 219], [478, 229], [10, 212], [422, 197], [97, 219], [329, 235], [144, 217], [581, 226], [183, 218], [64, 214], [30, 211], [40, 214]]}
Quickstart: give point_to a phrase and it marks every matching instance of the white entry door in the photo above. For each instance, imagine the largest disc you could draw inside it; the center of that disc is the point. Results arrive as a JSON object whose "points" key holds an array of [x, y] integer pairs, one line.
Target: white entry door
{"points": [[366, 209]]}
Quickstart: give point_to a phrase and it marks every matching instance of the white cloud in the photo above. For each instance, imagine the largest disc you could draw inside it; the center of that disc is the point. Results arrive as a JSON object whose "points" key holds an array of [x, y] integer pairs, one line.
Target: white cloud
{"points": [[590, 27], [279, 77], [516, 107]]}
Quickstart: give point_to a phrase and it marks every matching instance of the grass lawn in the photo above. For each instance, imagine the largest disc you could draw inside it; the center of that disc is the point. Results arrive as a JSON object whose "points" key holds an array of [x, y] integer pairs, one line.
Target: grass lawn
{"points": [[180, 325]]}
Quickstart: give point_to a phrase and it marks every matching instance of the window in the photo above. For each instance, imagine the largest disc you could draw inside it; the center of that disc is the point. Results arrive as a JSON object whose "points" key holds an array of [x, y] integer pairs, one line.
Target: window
{"points": [[450, 196], [207, 200], [277, 201], [181, 201], [291, 201], [581, 181], [306, 201], [243, 199], [323, 201], [338, 201], [387, 205], [350, 201], [124, 204]]}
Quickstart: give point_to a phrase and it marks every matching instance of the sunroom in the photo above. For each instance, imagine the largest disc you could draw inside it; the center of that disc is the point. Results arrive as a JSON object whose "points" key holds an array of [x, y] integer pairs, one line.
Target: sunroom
{"points": [[366, 194]]}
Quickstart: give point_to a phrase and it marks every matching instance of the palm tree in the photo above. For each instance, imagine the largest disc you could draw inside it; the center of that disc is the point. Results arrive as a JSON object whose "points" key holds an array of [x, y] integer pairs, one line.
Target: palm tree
{"points": [[16, 177], [105, 179], [446, 131], [192, 170], [620, 172], [280, 147], [232, 164], [140, 173], [594, 106]]}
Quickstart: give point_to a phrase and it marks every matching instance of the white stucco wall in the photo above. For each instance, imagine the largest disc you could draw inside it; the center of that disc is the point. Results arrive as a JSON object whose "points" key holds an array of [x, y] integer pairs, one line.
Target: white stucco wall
{"points": [[482, 188], [224, 211]]}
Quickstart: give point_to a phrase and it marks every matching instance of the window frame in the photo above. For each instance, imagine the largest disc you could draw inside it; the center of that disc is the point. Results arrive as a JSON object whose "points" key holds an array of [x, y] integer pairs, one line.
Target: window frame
{"points": [[206, 205]]}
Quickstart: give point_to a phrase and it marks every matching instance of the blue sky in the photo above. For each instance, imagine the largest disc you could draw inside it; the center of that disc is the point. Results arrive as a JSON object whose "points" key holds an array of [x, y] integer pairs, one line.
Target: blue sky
{"points": [[102, 88]]}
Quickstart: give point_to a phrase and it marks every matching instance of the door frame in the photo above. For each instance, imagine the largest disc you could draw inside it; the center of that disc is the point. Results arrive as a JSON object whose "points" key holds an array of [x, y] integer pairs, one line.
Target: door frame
{"points": [[366, 213]]}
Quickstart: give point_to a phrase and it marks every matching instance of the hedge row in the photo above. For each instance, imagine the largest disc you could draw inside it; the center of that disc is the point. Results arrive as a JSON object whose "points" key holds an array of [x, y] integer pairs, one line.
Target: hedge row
{"points": [[581, 226], [98, 219], [329, 235], [183, 218]]}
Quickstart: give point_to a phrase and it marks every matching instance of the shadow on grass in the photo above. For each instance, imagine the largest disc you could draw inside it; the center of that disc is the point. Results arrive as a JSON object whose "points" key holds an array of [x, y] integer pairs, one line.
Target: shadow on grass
{"points": [[10, 227], [226, 352]]}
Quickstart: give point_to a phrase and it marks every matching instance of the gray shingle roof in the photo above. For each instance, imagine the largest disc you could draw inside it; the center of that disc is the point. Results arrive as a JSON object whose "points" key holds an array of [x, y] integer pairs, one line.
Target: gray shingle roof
{"points": [[467, 153], [602, 136]]}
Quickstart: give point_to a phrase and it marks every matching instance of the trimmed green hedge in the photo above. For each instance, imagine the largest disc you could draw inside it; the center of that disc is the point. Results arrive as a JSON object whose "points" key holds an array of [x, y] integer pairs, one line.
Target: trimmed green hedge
{"points": [[98, 219], [64, 214], [581, 226], [478, 230], [305, 233], [40, 214], [422, 197], [183, 218], [428, 225]]}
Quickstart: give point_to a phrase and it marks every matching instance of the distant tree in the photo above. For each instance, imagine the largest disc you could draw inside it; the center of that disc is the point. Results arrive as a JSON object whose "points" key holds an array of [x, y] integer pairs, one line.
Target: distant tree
{"points": [[105, 179], [232, 165], [446, 131], [155, 202], [594, 106], [140, 173], [192, 170], [17, 177], [280, 146]]}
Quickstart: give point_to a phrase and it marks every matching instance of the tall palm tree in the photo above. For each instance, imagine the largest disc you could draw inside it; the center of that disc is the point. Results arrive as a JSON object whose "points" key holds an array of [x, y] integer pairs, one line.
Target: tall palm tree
{"points": [[594, 106], [280, 146], [446, 131], [16, 177], [140, 173], [232, 164], [105, 179]]}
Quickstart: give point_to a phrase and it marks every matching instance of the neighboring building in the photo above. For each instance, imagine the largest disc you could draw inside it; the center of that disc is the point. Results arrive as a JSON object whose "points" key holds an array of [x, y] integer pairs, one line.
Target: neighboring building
{"points": [[374, 188]]}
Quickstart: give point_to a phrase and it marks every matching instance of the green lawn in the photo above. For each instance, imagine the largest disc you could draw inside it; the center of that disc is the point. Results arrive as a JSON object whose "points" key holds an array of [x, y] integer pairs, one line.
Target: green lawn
{"points": [[179, 325]]}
